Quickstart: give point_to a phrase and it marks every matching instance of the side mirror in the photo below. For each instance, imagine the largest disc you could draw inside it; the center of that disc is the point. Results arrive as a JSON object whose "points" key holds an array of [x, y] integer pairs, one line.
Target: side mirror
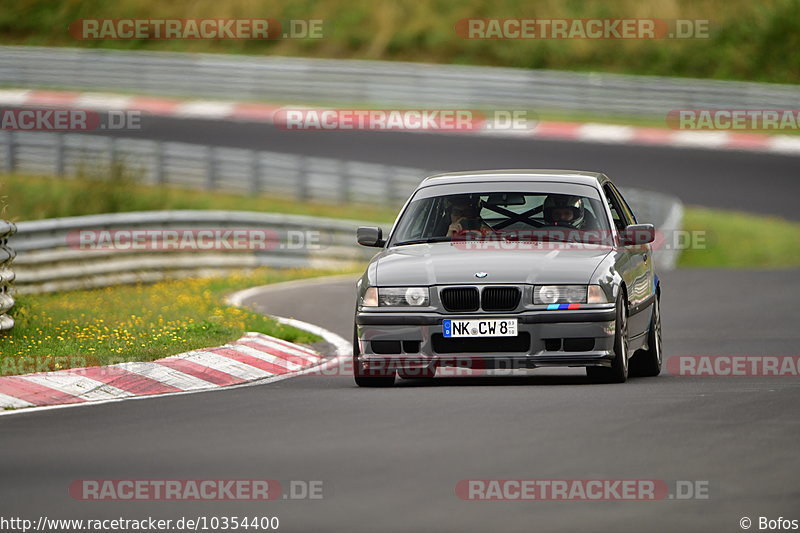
{"points": [[370, 236], [638, 234]]}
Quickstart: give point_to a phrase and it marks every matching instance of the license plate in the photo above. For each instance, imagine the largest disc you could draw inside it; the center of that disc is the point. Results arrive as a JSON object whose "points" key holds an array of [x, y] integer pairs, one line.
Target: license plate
{"points": [[480, 328]]}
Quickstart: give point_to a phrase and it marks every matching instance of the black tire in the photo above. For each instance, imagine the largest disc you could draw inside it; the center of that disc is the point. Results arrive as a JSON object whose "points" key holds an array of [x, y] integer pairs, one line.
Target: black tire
{"points": [[647, 363], [369, 377], [618, 372]]}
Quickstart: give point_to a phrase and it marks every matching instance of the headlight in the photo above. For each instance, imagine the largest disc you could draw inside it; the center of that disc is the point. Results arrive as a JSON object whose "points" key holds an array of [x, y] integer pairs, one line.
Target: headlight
{"points": [[569, 294], [396, 297], [559, 294], [403, 296]]}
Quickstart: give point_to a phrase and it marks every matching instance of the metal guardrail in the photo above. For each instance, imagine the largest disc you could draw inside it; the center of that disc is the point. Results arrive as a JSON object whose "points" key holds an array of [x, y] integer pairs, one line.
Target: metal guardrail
{"points": [[7, 254], [342, 82], [50, 260], [300, 177]]}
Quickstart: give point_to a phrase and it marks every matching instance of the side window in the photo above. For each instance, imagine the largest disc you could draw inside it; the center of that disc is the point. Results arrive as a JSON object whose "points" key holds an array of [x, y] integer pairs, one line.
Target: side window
{"points": [[617, 214], [627, 211]]}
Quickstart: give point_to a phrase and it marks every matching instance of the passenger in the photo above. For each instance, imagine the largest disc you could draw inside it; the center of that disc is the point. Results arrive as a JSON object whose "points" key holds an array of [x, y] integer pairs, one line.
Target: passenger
{"points": [[464, 215], [564, 210]]}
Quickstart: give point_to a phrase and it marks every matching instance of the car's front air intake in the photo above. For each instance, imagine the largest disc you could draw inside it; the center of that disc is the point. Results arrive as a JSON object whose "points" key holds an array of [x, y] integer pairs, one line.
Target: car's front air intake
{"points": [[460, 299], [500, 298]]}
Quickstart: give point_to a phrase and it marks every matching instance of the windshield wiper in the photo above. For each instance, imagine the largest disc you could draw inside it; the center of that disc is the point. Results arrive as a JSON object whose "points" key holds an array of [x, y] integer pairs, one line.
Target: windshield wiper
{"points": [[423, 241]]}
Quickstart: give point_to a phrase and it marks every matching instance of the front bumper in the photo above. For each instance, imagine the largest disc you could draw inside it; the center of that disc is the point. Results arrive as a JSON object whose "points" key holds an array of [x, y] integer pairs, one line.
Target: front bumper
{"points": [[583, 337]]}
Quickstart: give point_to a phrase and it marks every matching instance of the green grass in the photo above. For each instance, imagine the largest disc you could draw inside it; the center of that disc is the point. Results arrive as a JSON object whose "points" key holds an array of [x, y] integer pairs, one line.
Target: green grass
{"points": [[136, 322], [36, 197], [741, 240], [749, 40]]}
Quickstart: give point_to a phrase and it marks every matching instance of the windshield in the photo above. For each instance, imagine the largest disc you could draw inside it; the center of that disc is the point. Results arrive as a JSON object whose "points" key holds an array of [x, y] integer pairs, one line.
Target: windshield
{"points": [[505, 215]]}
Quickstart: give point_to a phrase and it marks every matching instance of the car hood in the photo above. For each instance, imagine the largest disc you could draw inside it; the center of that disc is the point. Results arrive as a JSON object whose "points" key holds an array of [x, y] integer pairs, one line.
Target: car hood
{"points": [[445, 263]]}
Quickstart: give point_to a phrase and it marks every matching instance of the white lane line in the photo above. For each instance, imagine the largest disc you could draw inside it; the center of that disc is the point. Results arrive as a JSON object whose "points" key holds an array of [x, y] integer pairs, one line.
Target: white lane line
{"points": [[701, 139], [103, 101], [11, 401], [14, 96], [204, 109], [238, 298], [606, 133], [75, 385], [342, 347], [497, 128], [224, 364], [166, 375], [288, 365], [785, 144]]}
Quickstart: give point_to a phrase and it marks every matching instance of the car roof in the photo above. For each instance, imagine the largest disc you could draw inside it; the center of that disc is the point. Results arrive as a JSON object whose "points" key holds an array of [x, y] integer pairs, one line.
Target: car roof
{"points": [[565, 176]]}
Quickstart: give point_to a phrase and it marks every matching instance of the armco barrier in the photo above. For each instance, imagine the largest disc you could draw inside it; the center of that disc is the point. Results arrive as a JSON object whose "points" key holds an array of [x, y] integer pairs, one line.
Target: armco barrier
{"points": [[350, 82], [7, 255], [50, 257], [213, 168]]}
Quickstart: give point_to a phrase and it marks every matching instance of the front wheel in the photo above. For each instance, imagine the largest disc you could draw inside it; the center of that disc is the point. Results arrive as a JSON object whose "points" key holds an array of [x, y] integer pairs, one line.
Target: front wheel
{"points": [[618, 372], [369, 377], [647, 363]]}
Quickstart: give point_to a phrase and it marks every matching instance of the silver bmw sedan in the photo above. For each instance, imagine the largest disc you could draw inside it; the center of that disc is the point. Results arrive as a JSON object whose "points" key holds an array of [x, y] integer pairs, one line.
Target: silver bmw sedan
{"points": [[509, 269]]}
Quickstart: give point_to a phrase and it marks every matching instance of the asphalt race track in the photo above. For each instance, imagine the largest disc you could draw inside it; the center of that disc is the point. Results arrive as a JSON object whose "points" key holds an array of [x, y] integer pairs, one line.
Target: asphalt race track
{"points": [[390, 459]]}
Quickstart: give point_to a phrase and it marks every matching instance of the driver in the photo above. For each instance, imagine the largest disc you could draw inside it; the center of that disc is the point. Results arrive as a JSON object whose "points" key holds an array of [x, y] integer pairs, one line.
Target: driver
{"points": [[463, 212], [564, 210]]}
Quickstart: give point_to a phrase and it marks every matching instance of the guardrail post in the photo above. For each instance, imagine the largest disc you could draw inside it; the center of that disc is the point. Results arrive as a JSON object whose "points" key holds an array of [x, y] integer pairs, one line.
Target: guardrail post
{"points": [[7, 229], [211, 168], [10, 152], [344, 180], [255, 171], [60, 159], [388, 178], [302, 179], [158, 163], [112, 152]]}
